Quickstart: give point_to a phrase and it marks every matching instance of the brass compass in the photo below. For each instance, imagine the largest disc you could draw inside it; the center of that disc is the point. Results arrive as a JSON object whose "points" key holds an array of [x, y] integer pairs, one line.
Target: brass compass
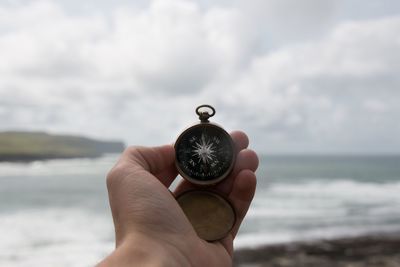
{"points": [[205, 155]]}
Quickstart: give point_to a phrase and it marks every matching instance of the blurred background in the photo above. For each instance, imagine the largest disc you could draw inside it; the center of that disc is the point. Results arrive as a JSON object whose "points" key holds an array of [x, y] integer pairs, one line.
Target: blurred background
{"points": [[315, 85]]}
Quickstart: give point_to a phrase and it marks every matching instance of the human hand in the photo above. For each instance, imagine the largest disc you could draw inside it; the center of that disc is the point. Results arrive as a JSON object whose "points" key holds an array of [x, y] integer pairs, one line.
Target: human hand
{"points": [[150, 227]]}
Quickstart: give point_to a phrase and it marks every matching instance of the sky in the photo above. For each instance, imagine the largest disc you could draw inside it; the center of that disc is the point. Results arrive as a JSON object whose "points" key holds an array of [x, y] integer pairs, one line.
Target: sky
{"points": [[299, 77]]}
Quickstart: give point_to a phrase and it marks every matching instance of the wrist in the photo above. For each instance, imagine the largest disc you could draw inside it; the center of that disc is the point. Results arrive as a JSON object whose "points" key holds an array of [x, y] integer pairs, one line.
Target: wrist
{"points": [[139, 250]]}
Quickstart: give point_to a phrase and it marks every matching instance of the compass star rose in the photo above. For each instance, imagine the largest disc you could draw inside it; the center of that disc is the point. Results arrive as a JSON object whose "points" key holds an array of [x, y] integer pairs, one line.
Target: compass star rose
{"points": [[204, 150]]}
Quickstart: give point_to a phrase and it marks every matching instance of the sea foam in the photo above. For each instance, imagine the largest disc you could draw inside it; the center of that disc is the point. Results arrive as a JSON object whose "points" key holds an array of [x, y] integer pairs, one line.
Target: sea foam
{"points": [[54, 237]]}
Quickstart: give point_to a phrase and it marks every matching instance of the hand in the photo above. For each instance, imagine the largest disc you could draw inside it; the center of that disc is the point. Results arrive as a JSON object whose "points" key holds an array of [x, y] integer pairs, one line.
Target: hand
{"points": [[150, 227]]}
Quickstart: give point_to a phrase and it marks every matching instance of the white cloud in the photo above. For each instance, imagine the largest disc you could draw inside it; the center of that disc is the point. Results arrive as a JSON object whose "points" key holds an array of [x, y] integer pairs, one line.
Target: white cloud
{"points": [[286, 20], [375, 105], [139, 72], [324, 86]]}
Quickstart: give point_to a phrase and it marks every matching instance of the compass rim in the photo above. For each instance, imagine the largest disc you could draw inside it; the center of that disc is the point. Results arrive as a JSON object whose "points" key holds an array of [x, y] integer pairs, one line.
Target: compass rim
{"points": [[216, 179]]}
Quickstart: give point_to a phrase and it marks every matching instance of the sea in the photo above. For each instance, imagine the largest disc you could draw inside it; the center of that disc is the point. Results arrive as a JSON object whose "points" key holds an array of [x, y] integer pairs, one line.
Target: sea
{"points": [[56, 212]]}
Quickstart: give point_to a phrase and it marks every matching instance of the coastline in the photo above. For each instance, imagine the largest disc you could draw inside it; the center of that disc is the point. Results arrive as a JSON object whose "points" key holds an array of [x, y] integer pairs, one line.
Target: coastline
{"points": [[381, 250], [31, 158], [19, 146]]}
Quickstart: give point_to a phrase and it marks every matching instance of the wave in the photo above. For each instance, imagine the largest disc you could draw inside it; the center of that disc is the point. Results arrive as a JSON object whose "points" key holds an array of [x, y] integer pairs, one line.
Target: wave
{"points": [[327, 194], [54, 237], [336, 186], [257, 239], [79, 166], [285, 212]]}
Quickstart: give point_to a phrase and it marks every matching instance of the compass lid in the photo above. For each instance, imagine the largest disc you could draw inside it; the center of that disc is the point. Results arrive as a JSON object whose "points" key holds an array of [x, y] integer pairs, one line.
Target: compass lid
{"points": [[211, 215]]}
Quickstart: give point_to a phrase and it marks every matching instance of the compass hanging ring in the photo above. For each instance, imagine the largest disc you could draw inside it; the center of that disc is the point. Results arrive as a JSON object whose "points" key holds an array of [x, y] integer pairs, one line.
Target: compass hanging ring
{"points": [[204, 115]]}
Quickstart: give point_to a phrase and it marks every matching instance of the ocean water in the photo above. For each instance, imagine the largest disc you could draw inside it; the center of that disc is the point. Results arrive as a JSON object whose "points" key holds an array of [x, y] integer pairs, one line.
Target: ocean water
{"points": [[55, 213]]}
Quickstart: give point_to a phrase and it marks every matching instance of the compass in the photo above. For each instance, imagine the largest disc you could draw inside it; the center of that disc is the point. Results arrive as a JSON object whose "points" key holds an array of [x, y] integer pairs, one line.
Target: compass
{"points": [[204, 156], [205, 152]]}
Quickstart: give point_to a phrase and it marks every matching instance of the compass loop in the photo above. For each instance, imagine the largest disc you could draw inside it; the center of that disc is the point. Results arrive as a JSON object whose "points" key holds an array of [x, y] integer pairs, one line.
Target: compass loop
{"points": [[205, 114]]}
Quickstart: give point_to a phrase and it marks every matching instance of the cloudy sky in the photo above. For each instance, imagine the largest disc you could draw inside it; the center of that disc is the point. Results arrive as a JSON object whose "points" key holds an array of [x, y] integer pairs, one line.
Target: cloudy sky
{"points": [[305, 76]]}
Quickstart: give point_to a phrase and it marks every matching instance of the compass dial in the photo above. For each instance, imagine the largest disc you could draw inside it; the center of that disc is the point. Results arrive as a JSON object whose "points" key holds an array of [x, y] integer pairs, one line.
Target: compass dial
{"points": [[204, 154]]}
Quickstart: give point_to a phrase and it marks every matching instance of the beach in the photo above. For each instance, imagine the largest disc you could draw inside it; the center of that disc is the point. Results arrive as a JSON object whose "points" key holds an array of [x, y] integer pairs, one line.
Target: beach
{"points": [[366, 251], [56, 212]]}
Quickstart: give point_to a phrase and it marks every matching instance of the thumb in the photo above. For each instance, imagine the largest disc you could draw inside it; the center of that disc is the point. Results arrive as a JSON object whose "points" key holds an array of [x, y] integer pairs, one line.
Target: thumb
{"points": [[151, 159]]}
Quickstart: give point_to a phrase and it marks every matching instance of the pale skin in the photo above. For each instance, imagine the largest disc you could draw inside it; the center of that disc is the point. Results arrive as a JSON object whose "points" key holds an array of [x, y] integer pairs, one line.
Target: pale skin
{"points": [[150, 227]]}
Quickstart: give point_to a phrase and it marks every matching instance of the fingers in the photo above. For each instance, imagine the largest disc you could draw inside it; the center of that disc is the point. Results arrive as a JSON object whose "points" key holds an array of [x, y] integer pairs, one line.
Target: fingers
{"points": [[245, 160], [241, 196]]}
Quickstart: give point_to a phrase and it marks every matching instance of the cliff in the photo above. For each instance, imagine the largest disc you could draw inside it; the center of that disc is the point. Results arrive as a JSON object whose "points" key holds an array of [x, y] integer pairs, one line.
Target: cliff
{"points": [[28, 146]]}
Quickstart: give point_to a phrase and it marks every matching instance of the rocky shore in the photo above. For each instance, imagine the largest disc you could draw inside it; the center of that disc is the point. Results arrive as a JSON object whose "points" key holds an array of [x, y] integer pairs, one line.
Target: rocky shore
{"points": [[366, 251]]}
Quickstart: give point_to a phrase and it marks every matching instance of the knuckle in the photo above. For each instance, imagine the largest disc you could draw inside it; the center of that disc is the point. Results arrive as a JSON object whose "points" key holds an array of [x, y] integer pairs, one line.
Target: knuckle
{"points": [[132, 150], [115, 175]]}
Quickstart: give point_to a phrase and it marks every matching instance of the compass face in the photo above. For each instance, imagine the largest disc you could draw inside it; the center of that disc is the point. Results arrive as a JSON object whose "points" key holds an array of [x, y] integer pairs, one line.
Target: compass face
{"points": [[204, 154]]}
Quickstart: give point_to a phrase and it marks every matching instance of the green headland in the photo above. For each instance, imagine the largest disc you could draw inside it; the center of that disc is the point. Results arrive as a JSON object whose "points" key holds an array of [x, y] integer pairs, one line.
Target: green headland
{"points": [[29, 146]]}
